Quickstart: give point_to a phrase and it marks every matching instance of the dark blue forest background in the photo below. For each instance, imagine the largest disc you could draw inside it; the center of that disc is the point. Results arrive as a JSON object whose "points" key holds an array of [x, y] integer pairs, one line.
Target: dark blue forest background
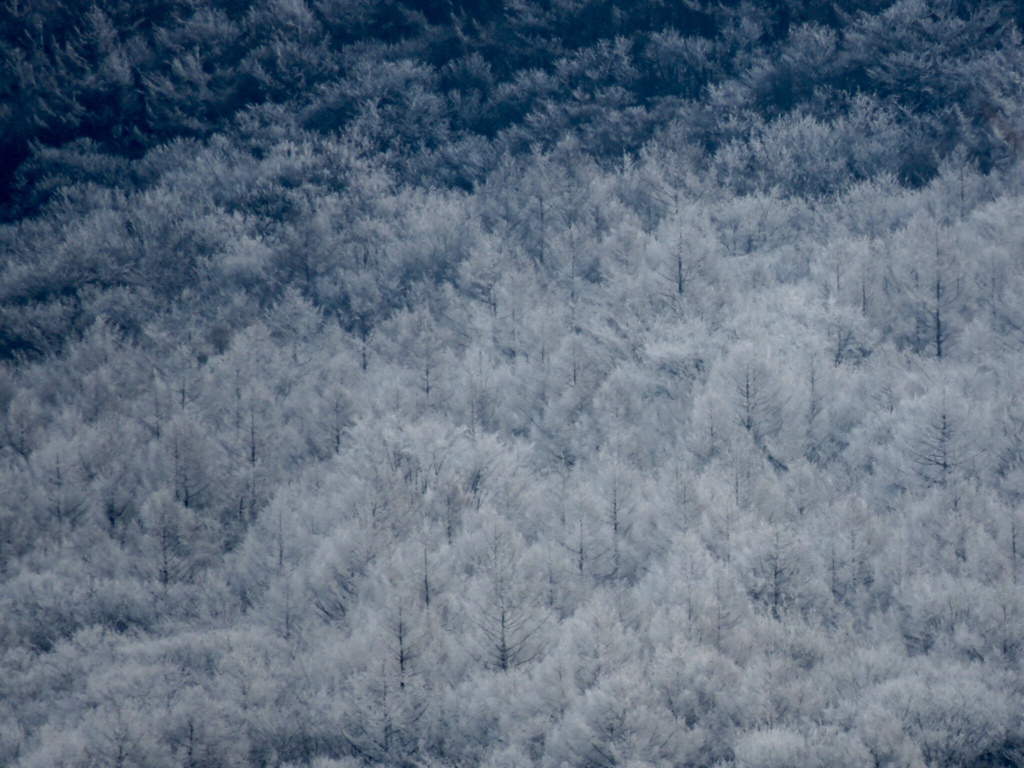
{"points": [[441, 94]]}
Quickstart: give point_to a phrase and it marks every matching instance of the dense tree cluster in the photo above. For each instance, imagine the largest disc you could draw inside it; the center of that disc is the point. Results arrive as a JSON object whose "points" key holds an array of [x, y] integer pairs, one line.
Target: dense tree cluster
{"points": [[512, 384], [444, 89]]}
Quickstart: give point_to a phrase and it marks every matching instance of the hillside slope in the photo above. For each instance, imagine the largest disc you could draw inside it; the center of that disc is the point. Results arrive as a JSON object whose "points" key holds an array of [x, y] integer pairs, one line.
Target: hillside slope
{"points": [[639, 426]]}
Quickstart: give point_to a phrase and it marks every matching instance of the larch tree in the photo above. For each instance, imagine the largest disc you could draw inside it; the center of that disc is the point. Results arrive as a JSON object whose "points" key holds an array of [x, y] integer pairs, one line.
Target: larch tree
{"points": [[505, 621]]}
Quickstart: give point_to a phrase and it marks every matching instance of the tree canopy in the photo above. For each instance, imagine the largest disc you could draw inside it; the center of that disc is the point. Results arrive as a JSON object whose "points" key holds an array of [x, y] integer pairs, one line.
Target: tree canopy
{"points": [[507, 384]]}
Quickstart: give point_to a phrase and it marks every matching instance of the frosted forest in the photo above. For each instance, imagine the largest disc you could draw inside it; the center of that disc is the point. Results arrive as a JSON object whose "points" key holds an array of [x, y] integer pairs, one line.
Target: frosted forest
{"points": [[511, 383]]}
